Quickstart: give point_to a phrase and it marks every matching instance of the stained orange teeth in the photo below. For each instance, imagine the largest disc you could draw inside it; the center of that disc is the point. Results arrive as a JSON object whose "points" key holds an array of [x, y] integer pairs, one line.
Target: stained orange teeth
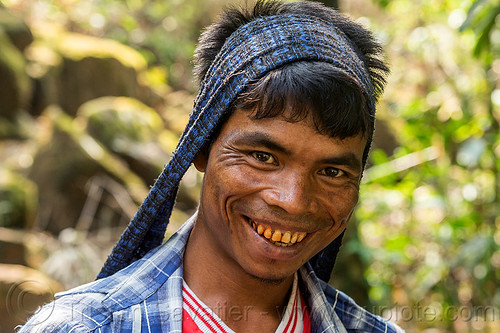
{"points": [[279, 239], [276, 236], [268, 232], [286, 237]]}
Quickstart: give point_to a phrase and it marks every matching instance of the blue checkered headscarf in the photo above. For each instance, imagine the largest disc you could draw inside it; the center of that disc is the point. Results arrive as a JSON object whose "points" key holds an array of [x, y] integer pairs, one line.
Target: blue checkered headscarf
{"points": [[253, 50]]}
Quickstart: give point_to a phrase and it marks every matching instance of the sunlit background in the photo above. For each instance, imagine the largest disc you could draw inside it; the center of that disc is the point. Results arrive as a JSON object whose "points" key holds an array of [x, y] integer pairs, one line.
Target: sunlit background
{"points": [[93, 95]]}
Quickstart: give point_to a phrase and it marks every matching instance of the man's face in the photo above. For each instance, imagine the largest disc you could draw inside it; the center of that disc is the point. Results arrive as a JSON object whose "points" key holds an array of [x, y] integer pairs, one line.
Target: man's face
{"points": [[275, 193]]}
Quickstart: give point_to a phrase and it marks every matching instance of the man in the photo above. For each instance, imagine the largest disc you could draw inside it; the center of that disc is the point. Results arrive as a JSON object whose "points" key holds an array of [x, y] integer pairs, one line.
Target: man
{"points": [[281, 128]]}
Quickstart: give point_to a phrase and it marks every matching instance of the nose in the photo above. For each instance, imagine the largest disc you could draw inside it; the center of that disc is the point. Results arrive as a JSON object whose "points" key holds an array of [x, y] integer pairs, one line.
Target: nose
{"points": [[291, 192]]}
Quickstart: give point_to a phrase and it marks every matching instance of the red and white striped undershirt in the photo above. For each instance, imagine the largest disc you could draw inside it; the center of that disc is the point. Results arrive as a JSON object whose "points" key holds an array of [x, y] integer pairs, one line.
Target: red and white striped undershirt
{"points": [[199, 318]]}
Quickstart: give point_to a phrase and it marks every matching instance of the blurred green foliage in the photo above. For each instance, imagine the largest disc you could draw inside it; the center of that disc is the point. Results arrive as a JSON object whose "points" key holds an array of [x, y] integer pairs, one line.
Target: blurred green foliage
{"points": [[428, 222], [163, 31], [427, 234]]}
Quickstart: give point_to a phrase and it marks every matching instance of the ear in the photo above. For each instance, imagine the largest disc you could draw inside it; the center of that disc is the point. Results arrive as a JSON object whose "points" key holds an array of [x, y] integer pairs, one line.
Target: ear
{"points": [[201, 160]]}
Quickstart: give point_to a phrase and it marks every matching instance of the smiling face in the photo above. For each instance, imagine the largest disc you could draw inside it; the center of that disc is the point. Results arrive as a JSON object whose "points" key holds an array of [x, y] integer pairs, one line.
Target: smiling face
{"points": [[275, 193]]}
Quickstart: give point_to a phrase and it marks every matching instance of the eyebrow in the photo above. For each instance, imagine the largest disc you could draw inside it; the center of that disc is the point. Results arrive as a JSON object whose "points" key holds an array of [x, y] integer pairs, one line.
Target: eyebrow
{"points": [[347, 159], [264, 140]]}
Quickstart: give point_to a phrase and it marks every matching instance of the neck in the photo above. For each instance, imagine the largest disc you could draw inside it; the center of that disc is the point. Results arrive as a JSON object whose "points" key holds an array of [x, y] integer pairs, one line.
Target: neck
{"points": [[244, 302]]}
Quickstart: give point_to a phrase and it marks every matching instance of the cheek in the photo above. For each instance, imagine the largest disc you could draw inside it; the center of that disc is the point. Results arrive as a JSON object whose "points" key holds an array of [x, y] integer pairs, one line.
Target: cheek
{"points": [[224, 184], [341, 202], [240, 179]]}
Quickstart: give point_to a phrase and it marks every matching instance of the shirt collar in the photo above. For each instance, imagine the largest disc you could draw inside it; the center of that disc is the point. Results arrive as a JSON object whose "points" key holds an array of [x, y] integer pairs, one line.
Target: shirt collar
{"points": [[323, 316]]}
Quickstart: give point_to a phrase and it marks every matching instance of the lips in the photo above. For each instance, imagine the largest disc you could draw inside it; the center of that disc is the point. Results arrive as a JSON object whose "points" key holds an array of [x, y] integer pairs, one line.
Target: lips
{"points": [[277, 237]]}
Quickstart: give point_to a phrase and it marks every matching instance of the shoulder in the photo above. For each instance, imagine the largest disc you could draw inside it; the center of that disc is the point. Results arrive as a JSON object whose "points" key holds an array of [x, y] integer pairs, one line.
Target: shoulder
{"points": [[100, 306], [114, 303], [117, 302], [81, 312], [91, 307], [354, 317]]}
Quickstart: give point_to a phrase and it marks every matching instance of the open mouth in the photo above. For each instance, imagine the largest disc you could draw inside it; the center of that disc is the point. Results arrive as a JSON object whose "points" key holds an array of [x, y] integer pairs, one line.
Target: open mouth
{"points": [[277, 237]]}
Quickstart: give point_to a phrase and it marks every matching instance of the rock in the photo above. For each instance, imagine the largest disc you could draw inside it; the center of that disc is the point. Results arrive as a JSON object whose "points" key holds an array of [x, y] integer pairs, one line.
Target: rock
{"points": [[44, 65], [128, 128], [136, 133], [19, 33], [88, 68], [61, 171], [12, 246], [28, 248], [15, 84], [67, 164], [22, 291], [88, 78], [18, 200]]}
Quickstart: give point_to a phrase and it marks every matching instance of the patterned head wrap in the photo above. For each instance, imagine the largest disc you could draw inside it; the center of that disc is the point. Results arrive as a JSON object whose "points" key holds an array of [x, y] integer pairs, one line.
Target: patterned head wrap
{"points": [[253, 50]]}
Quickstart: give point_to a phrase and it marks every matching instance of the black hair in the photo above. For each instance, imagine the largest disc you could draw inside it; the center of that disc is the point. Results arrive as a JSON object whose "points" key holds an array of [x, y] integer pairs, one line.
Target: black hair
{"points": [[338, 105], [335, 101]]}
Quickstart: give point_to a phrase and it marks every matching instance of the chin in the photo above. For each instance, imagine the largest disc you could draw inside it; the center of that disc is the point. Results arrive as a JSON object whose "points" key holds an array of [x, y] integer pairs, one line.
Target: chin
{"points": [[270, 281], [270, 275]]}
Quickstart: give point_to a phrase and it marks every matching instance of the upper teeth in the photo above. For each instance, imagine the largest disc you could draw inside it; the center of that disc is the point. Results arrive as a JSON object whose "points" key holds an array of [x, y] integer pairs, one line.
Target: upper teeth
{"points": [[277, 237]]}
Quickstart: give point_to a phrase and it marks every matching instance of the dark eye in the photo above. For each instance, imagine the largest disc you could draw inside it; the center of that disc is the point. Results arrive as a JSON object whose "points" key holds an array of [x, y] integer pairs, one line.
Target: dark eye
{"points": [[263, 157], [331, 172]]}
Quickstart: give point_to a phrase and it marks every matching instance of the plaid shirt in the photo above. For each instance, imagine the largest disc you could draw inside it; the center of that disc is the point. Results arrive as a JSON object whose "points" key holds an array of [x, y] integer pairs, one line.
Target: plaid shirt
{"points": [[146, 296]]}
